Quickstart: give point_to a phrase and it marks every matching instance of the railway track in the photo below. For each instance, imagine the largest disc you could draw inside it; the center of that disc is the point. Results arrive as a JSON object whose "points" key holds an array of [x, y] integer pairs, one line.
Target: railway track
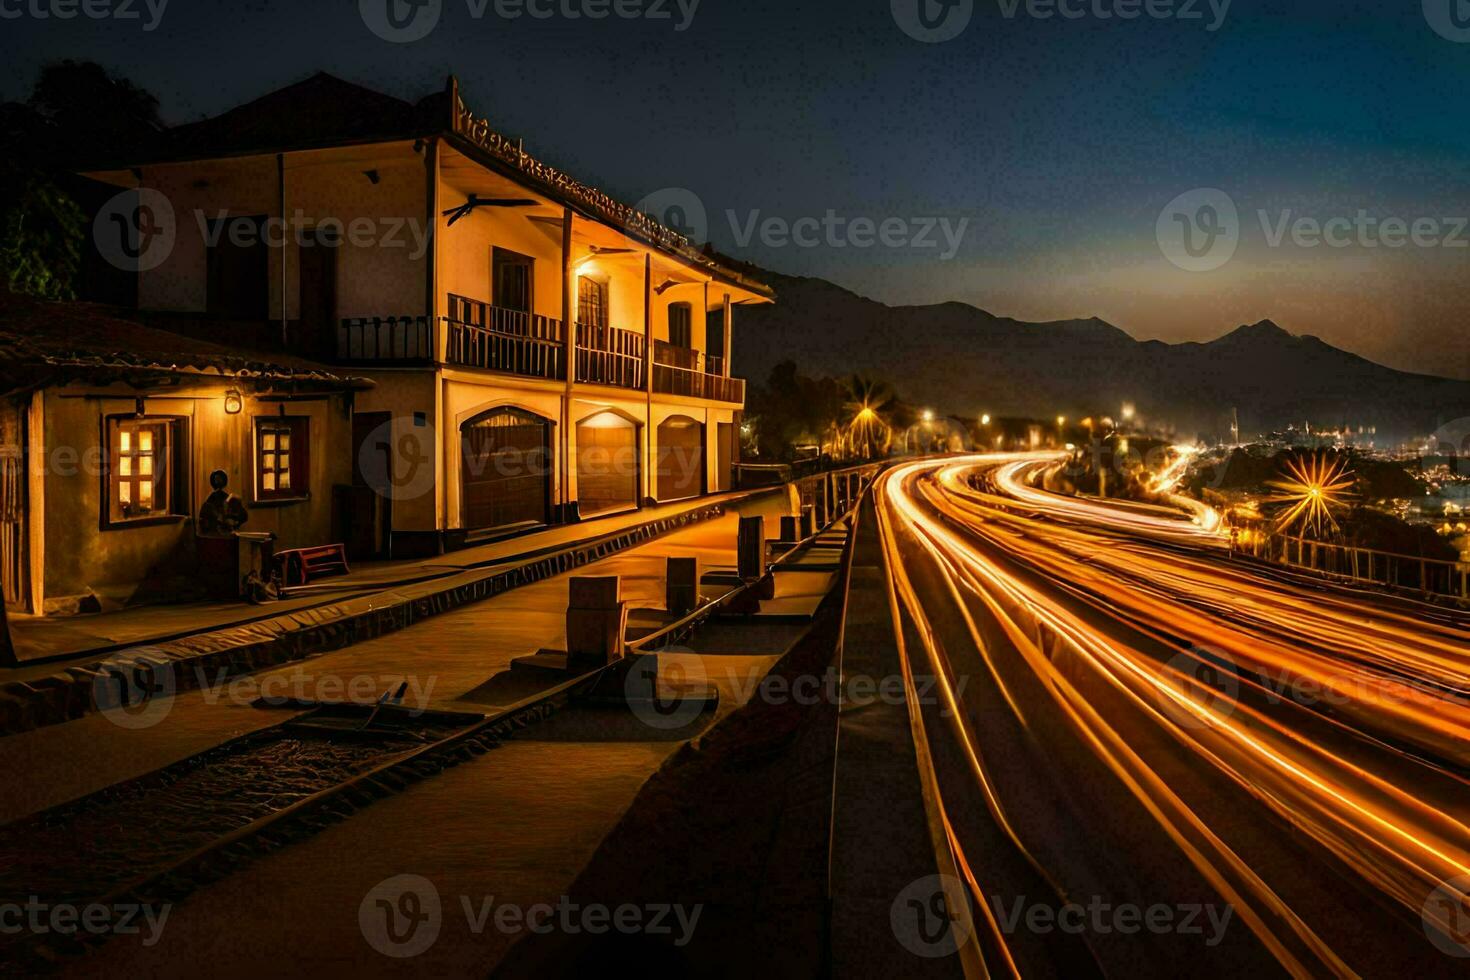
{"points": [[147, 843]]}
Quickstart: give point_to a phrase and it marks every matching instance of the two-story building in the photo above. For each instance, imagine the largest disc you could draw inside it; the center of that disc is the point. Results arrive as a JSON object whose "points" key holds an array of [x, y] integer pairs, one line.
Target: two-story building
{"points": [[540, 352]]}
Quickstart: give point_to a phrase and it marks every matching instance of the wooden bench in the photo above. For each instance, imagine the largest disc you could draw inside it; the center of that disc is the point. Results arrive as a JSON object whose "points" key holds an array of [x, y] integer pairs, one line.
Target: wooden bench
{"points": [[298, 566]]}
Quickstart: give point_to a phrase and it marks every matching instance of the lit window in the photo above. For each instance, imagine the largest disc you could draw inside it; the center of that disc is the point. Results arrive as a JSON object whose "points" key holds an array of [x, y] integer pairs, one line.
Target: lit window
{"points": [[141, 454], [281, 457]]}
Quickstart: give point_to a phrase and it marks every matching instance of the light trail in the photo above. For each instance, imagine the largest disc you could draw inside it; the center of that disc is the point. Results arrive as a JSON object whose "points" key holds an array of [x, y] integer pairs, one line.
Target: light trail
{"points": [[1168, 480], [1342, 718], [1014, 480]]}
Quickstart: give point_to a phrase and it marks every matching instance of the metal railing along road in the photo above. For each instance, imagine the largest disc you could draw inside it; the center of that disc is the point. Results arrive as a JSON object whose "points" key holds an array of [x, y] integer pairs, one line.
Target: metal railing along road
{"points": [[1431, 576]]}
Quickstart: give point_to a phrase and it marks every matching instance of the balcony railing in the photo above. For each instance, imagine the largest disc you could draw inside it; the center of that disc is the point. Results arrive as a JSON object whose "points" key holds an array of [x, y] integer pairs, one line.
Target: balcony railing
{"points": [[478, 334], [390, 339], [670, 380], [676, 371], [675, 356], [609, 356], [511, 341]]}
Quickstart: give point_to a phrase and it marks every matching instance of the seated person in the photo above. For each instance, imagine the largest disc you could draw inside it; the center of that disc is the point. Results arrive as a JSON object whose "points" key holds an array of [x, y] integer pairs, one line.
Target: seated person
{"points": [[222, 512]]}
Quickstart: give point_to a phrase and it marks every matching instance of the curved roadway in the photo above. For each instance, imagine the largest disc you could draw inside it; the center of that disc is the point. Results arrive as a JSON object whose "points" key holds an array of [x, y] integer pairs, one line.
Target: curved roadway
{"points": [[1149, 758]]}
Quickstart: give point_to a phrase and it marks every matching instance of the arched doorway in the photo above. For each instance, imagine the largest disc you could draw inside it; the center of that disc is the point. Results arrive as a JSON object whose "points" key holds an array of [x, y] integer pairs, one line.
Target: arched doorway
{"points": [[607, 464], [505, 469], [680, 458]]}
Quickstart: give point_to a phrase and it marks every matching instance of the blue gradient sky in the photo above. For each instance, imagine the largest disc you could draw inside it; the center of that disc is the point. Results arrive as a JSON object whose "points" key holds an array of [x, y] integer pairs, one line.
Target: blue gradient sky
{"points": [[1059, 140]]}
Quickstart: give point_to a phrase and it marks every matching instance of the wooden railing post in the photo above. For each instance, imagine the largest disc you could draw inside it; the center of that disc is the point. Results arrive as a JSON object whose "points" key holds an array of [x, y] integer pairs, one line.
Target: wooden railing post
{"points": [[728, 328]]}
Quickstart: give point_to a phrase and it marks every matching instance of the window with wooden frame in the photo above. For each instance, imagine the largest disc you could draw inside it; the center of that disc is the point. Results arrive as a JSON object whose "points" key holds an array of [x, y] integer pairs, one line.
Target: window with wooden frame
{"points": [[282, 457], [142, 475], [591, 302], [681, 325], [511, 278]]}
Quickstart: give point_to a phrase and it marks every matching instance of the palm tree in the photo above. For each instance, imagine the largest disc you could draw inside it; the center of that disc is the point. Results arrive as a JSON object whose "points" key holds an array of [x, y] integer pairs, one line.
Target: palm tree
{"points": [[868, 416]]}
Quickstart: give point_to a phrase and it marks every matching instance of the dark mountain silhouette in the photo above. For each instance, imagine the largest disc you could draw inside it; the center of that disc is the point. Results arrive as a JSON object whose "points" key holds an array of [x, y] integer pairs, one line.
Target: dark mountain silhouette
{"points": [[963, 360]]}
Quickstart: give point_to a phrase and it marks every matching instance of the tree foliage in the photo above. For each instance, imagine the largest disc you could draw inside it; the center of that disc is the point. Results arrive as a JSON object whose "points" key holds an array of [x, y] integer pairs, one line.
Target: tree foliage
{"points": [[791, 410], [75, 110], [41, 231]]}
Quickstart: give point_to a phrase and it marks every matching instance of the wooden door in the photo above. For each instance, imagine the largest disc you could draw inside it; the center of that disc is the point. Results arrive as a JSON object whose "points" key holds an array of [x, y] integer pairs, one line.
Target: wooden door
{"points": [[680, 458], [505, 470], [607, 464], [14, 555], [318, 308], [367, 509], [725, 458]]}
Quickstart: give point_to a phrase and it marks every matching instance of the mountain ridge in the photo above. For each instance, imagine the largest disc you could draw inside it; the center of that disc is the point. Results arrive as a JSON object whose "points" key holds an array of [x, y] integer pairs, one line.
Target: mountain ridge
{"points": [[969, 361]]}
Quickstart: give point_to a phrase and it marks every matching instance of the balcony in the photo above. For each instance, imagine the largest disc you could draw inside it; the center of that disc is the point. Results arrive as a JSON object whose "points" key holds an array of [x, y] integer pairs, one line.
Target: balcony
{"points": [[510, 341], [395, 340], [608, 356], [676, 371]]}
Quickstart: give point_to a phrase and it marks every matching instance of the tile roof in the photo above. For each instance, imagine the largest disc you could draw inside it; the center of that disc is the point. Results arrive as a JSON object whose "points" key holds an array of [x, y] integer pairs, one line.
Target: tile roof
{"points": [[323, 110], [44, 342]]}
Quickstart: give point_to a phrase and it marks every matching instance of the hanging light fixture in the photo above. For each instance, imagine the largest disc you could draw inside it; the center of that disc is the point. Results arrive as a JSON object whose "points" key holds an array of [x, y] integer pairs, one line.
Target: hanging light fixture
{"points": [[233, 402]]}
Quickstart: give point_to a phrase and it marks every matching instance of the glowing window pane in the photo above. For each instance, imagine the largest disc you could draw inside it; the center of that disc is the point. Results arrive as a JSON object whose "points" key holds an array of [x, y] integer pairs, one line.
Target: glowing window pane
{"points": [[285, 482], [125, 492], [125, 465], [268, 441], [145, 465], [145, 493], [145, 440], [268, 481], [125, 440], [285, 441]]}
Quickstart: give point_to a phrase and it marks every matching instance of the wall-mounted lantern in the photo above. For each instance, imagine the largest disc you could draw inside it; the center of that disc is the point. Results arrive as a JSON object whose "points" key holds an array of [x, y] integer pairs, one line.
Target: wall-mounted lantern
{"points": [[233, 402]]}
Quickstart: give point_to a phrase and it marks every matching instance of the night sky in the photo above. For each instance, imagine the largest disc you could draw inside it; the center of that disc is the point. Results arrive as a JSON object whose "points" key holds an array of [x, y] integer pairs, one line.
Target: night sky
{"points": [[1060, 140]]}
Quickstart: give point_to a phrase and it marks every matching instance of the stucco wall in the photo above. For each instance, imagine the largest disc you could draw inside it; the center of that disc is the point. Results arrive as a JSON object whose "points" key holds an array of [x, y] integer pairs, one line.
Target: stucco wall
{"points": [[131, 562], [465, 253], [416, 482], [381, 262]]}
